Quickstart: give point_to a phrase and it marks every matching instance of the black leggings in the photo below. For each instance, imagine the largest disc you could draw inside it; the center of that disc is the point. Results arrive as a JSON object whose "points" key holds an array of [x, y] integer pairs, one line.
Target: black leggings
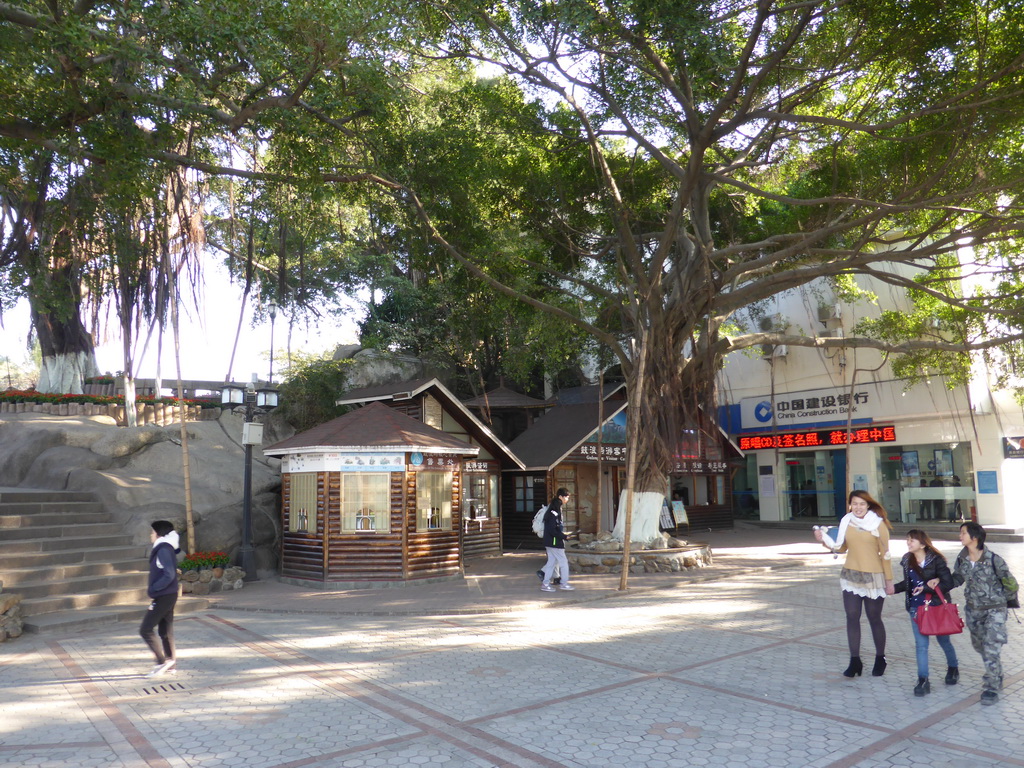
{"points": [[160, 615], [873, 608]]}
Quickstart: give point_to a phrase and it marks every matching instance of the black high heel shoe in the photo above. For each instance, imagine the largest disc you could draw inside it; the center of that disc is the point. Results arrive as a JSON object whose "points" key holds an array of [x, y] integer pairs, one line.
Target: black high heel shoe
{"points": [[856, 667], [879, 669], [952, 675]]}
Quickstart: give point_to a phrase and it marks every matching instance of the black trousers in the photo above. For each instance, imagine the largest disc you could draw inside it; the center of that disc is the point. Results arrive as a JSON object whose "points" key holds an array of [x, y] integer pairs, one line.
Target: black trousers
{"points": [[160, 616]]}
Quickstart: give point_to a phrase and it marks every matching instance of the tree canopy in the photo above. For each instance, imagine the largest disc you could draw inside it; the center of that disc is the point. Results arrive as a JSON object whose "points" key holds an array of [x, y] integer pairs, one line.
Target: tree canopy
{"points": [[643, 171]]}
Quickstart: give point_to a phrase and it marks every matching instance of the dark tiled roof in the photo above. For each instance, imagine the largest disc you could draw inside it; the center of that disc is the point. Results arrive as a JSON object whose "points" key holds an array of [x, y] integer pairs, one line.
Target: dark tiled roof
{"points": [[374, 426], [587, 394], [503, 397], [558, 432], [405, 390], [382, 391]]}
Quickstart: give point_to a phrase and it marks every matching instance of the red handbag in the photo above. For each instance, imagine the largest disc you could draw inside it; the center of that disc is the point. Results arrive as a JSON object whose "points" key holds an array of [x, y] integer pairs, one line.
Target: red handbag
{"points": [[942, 619]]}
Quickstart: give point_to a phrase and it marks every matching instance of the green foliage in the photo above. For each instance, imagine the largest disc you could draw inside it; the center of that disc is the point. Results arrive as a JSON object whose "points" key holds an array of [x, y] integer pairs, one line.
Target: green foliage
{"points": [[312, 385]]}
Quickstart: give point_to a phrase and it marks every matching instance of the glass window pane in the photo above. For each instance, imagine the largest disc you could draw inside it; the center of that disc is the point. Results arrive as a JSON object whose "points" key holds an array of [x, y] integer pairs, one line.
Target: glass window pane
{"points": [[302, 502], [365, 502], [433, 501]]}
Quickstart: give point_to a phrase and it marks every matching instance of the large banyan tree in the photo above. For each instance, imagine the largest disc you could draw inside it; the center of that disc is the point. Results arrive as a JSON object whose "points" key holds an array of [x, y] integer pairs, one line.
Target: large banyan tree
{"points": [[648, 170], [738, 150]]}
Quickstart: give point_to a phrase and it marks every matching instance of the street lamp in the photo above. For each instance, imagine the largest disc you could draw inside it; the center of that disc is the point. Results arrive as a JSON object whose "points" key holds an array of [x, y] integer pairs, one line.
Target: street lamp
{"points": [[266, 397], [272, 309], [252, 434]]}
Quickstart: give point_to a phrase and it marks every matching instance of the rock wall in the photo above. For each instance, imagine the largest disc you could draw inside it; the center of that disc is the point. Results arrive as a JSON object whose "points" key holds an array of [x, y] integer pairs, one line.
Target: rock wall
{"points": [[138, 473], [11, 622]]}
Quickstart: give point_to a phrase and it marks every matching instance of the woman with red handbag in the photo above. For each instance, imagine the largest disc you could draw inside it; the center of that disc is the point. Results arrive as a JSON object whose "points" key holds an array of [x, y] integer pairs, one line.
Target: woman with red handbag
{"points": [[924, 570]]}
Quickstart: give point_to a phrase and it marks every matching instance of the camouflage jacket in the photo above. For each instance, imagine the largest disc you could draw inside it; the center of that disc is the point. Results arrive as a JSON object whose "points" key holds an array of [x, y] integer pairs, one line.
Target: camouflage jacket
{"points": [[987, 583]]}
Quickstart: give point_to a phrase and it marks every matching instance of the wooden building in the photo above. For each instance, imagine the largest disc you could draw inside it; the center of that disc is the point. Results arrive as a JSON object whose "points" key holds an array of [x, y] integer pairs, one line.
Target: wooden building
{"points": [[372, 498], [430, 402], [580, 445]]}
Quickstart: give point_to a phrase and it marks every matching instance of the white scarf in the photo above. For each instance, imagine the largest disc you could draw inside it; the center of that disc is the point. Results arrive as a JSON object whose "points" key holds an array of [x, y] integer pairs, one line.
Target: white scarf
{"points": [[171, 538], [870, 523]]}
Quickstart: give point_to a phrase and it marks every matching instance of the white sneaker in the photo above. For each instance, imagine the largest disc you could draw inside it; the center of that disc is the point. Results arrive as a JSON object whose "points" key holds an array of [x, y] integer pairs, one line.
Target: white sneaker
{"points": [[163, 669], [546, 588], [566, 587]]}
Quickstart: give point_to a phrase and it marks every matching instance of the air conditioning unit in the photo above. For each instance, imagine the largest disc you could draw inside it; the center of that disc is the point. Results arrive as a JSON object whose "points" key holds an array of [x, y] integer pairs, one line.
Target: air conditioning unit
{"points": [[774, 322], [772, 351], [831, 333], [831, 312]]}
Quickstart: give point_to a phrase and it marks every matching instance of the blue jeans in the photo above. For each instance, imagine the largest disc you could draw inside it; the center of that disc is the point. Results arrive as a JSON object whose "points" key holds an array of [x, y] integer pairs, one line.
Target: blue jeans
{"points": [[921, 642]]}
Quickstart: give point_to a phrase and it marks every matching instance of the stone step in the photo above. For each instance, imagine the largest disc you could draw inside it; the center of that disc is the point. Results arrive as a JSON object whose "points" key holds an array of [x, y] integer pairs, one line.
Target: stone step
{"points": [[86, 618], [71, 532], [75, 517], [72, 587], [33, 509], [35, 606], [134, 553], [13, 577], [35, 496], [24, 546]]}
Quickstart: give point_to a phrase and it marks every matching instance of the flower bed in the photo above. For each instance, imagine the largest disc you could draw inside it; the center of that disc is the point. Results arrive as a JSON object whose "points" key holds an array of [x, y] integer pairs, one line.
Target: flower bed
{"points": [[205, 572]]}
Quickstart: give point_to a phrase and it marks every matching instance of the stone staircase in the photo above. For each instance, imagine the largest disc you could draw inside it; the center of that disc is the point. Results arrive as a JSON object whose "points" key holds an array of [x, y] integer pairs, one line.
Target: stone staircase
{"points": [[72, 565]]}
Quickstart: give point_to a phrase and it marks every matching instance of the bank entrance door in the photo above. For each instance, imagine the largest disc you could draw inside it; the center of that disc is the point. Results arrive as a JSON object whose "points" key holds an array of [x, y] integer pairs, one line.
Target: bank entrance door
{"points": [[815, 484]]}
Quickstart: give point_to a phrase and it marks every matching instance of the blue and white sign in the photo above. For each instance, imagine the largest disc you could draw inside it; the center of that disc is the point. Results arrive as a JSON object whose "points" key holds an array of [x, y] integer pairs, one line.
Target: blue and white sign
{"points": [[343, 462], [798, 410], [988, 481]]}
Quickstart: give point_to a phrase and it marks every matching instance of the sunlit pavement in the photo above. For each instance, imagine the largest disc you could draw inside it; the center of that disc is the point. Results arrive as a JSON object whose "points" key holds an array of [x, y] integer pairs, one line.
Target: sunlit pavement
{"points": [[743, 669]]}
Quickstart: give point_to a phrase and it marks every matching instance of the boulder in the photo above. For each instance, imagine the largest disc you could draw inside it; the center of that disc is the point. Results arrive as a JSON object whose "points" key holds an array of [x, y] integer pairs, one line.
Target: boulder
{"points": [[137, 473]]}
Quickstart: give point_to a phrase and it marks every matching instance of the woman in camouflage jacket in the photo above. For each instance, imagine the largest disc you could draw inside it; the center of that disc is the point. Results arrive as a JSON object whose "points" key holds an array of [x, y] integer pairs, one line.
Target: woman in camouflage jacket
{"points": [[988, 587]]}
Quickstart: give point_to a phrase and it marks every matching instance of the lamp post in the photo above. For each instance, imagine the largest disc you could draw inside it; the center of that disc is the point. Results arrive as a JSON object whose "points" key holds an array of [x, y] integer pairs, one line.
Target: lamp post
{"points": [[252, 434], [272, 310]]}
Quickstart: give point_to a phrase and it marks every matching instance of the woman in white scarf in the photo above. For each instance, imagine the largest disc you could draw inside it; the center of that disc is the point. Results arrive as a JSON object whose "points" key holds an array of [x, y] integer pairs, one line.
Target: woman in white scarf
{"points": [[866, 577]]}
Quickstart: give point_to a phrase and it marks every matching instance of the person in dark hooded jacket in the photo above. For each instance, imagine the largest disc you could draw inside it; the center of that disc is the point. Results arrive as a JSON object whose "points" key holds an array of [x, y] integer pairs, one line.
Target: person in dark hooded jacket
{"points": [[163, 591]]}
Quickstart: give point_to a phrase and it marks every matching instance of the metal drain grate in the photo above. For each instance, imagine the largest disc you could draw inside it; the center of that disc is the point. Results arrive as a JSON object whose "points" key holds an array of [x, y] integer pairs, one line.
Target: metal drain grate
{"points": [[164, 688]]}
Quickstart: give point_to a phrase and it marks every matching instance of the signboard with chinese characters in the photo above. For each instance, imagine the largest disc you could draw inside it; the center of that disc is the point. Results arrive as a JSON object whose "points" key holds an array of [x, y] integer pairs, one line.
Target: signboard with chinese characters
{"points": [[478, 465], [1013, 447], [817, 439], [343, 462], [440, 462], [589, 452], [810, 406], [699, 467]]}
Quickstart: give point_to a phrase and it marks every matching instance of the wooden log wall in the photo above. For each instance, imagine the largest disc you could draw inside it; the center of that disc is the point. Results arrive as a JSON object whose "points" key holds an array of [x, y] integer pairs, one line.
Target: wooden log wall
{"points": [[481, 537]]}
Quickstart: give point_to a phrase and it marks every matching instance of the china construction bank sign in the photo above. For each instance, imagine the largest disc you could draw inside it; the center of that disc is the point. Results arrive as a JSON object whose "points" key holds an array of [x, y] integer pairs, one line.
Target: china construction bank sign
{"points": [[810, 407]]}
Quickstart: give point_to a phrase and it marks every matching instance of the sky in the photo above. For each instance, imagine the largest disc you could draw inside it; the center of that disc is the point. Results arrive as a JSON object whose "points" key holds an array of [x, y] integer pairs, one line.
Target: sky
{"points": [[206, 338]]}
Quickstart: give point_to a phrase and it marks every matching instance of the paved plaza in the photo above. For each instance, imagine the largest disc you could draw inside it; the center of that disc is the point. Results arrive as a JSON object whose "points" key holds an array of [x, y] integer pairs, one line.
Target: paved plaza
{"points": [[739, 665]]}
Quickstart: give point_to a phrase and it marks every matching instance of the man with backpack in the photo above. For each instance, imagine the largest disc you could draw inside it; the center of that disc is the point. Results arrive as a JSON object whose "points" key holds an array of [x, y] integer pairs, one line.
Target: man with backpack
{"points": [[554, 543]]}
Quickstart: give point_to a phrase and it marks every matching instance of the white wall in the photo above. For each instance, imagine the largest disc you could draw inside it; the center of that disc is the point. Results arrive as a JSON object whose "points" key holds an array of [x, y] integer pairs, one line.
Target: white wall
{"points": [[925, 414]]}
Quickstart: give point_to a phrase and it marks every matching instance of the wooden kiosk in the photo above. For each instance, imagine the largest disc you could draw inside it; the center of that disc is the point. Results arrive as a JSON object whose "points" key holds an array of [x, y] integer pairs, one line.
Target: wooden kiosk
{"points": [[372, 498]]}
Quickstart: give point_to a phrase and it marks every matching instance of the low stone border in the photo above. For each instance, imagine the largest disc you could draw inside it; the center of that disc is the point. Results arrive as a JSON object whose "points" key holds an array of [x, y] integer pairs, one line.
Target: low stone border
{"points": [[209, 580], [11, 623], [160, 414], [672, 560]]}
